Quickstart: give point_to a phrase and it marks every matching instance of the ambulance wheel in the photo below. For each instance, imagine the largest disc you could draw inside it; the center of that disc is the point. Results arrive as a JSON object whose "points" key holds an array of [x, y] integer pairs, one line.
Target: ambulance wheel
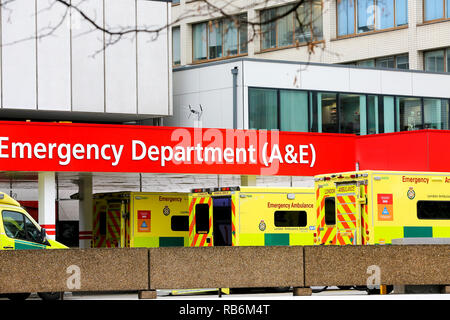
{"points": [[389, 289], [50, 296], [18, 296]]}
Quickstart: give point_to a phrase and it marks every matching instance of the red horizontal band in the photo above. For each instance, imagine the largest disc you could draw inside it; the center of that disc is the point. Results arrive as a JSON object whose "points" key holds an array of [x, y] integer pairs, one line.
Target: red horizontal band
{"points": [[50, 232], [85, 232], [85, 237]]}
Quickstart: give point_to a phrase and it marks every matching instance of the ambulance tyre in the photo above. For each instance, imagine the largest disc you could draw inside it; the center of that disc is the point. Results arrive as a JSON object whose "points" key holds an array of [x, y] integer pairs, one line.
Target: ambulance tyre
{"points": [[18, 296], [50, 296], [389, 289]]}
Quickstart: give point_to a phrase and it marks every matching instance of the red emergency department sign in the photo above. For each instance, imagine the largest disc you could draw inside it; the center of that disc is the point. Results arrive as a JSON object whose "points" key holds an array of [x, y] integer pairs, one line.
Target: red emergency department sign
{"points": [[28, 146]]}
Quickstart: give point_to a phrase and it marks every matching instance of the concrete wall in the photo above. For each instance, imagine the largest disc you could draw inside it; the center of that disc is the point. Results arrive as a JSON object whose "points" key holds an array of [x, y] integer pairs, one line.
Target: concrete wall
{"points": [[53, 64], [221, 267]]}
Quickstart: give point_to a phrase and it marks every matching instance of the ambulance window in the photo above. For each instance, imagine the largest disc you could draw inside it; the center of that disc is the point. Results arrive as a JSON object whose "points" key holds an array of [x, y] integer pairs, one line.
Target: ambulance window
{"points": [[433, 210], [14, 225], [180, 223], [290, 219], [102, 226], [330, 211], [202, 218]]}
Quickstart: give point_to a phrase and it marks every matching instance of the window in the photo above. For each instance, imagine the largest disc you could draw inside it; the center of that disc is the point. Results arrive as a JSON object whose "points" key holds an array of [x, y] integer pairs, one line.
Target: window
{"points": [[327, 108], [285, 110], [391, 62], [335, 112], [174, 2], [263, 109], [202, 218], [179, 223], [176, 60], [18, 226], [293, 111], [371, 15], [433, 210], [290, 219], [330, 211], [410, 114], [286, 27], [221, 38], [436, 9], [437, 61], [435, 114], [350, 108]]}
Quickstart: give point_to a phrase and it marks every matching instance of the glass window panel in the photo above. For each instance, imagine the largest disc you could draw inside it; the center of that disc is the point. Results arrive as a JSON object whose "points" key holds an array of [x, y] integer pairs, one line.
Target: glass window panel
{"points": [[14, 224], [433, 210], [317, 22], [346, 17], [176, 46], [268, 29], [263, 109], [366, 63], [230, 38], [243, 34], [199, 40], [447, 8], [410, 113], [434, 9], [385, 14], [202, 218], [435, 113], [389, 114], [290, 219], [349, 113], [302, 20], [175, 1], [401, 12], [33, 233], [386, 62], [314, 114], [366, 15], [215, 39], [448, 58], [402, 62], [330, 211], [327, 103], [293, 111], [372, 115], [285, 26], [434, 61]]}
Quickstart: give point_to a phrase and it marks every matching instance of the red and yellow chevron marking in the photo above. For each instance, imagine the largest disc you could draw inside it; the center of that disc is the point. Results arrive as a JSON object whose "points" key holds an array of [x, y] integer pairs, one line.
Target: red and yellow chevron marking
{"points": [[233, 223], [98, 239], [113, 228], [198, 239], [364, 221], [346, 218], [326, 234]]}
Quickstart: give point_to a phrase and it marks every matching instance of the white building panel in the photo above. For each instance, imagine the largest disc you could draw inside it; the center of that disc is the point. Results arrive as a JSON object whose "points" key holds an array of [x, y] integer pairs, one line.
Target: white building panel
{"points": [[364, 80], [396, 82], [153, 58], [120, 57], [87, 59], [53, 56], [19, 55], [431, 85]]}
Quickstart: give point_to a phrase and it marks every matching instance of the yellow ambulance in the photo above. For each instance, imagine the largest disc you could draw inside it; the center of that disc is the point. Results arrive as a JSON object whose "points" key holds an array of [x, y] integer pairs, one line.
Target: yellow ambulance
{"points": [[140, 219], [251, 216], [374, 207], [19, 231]]}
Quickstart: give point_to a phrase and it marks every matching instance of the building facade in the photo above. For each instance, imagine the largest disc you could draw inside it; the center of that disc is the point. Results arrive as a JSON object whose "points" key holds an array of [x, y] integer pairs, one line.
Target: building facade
{"points": [[246, 93], [57, 65], [406, 34]]}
